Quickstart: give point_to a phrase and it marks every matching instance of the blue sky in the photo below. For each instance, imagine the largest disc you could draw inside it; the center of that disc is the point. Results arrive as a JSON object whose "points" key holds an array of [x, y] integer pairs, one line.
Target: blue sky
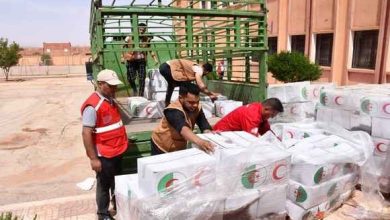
{"points": [[32, 22]]}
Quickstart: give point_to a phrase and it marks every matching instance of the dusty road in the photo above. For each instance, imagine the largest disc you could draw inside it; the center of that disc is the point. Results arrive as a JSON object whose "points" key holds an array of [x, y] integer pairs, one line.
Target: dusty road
{"points": [[41, 151]]}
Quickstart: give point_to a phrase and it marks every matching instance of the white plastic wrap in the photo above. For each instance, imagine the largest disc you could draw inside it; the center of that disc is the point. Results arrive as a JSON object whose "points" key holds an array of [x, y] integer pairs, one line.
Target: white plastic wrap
{"points": [[310, 196], [317, 212], [289, 92], [157, 81], [381, 127], [376, 105], [208, 108], [160, 96], [222, 108], [142, 108]]}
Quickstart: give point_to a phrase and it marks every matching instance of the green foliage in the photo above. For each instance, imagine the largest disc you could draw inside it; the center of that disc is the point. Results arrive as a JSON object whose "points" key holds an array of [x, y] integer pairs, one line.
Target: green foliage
{"points": [[292, 67], [46, 59], [9, 55], [10, 216]]}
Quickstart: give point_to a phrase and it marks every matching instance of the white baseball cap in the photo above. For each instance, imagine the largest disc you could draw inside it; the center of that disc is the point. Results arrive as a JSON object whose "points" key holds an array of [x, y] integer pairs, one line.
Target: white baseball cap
{"points": [[109, 77]]}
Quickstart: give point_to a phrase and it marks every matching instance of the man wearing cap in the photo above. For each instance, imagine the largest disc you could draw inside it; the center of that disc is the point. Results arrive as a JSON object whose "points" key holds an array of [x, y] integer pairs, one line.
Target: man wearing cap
{"points": [[180, 71], [104, 138]]}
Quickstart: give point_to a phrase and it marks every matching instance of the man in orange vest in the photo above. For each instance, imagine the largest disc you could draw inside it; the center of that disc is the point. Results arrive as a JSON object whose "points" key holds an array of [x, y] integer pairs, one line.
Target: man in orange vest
{"points": [[104, 138], [179, 71], [176, 127]]}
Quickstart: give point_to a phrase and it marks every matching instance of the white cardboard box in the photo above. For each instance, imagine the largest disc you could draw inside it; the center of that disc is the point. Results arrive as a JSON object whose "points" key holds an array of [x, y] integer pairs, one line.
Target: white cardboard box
{"points": [[160, 96], [222, 108], [157, 82], [381, 127], [148, 109], [381, 146], [289, 92], [311, 174], [185, 169], [320, 211], [208, 108], [257, 203], [315, 89], [376, 105], [309, 196]]}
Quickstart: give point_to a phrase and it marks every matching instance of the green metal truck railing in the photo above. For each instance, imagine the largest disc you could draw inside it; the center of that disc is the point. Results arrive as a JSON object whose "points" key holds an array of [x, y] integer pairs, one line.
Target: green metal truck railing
{"points": [[204, 31]]}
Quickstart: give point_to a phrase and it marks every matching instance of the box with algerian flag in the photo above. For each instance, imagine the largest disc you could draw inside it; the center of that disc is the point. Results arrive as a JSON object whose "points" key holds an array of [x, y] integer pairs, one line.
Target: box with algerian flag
{"points": [[181, 170], [289, 92], [295, 212], [381, 146], [312, 174], [309, 196], [376, 105], [208, 108]]}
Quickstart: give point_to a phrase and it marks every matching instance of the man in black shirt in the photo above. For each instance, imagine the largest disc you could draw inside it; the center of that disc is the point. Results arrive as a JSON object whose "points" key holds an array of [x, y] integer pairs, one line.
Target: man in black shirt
{"points": [[176, 127]]}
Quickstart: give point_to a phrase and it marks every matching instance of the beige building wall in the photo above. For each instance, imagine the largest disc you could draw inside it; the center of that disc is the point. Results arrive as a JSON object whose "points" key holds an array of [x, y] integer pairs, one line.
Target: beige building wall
{"points": [[344, 19]]}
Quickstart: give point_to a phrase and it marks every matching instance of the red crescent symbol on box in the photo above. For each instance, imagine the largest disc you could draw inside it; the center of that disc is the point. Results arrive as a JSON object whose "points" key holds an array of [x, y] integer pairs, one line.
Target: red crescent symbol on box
{"points": [[197, 178], [148, 110], [170, 183], [292, 110], [380, 149], [276, 169], [386, 108], [338, 99], [291, 134], [221, 110], [316, 92]]}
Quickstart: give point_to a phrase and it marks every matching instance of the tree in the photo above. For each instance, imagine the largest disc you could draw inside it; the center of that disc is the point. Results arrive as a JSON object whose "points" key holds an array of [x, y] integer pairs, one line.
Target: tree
{"points": [[9, 55], [293, 67], [46, 59]]}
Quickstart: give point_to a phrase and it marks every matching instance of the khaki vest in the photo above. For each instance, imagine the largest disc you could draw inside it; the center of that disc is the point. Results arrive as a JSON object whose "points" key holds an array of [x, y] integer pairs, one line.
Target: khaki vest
{"points": [[182, 70], [166, 137]]}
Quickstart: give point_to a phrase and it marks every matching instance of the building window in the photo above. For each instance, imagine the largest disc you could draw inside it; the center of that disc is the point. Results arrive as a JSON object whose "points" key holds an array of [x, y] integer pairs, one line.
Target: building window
{"points": [[272, 45], [298, 43], [365, 44], [324, 45], [203, 5]]}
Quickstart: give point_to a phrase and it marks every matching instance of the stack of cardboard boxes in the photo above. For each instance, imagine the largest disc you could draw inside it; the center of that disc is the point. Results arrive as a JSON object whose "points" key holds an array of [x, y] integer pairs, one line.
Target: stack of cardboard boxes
{"points": [[244, 177], [299, 99]]}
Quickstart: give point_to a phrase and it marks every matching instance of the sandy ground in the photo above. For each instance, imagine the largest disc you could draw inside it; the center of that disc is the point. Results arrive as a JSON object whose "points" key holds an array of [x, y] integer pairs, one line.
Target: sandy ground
{"points": [[41, 150]]}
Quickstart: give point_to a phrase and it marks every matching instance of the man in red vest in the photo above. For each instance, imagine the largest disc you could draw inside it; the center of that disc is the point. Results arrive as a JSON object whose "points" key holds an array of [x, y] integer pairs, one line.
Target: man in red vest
{"points": [[252, 118], [104, 138]]}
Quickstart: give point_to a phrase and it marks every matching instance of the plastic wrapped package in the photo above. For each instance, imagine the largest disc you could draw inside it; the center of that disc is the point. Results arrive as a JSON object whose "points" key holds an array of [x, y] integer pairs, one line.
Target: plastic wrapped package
{"points": [[381, 127], [320, 211], [289, 92], [381, 146], [309, 196], [222, 108], [341, 98], [296, 111], [310, 174], [158, 172], [315, 89], [157, 81], [208, 108], [208, 99], [376, 105], [256, 203], [294, 131], [142, 108], [160, 96]]}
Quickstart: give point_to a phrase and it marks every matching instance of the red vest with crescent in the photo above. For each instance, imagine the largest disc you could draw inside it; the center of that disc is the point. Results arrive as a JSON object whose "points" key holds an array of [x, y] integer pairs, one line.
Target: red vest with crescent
{"points": [[110, 135]]}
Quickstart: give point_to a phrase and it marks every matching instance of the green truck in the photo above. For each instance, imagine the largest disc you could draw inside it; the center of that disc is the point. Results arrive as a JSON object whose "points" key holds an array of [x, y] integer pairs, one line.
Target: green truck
{"points": [[231, 31]]}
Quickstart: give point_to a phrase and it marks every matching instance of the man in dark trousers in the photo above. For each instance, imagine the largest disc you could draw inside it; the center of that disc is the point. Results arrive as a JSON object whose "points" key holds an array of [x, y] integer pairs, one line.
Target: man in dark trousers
{"points": [[104, 138], [179, 71], [176, 127], [252, 118], [137, 61]]}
